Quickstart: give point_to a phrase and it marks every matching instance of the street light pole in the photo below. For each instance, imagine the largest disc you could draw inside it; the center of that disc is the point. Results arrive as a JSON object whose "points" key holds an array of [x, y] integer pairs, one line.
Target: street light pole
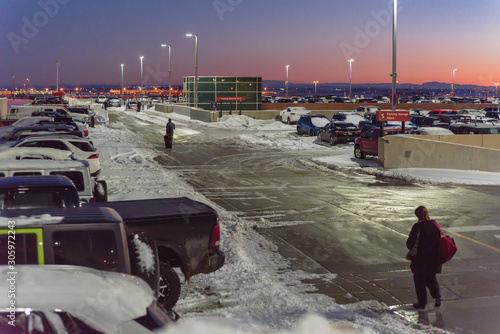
{"points": [[142, 83], [315, 88], [195, 68], [350, 78], [122, 80], [496, 89], [453, 84], [169, 72], [286, 83], [394, 53], [57, 75]]}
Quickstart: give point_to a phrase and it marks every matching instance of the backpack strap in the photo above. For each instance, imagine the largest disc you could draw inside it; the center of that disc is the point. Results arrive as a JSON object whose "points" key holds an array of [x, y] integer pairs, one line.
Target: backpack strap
{"points": [[438, 227]]}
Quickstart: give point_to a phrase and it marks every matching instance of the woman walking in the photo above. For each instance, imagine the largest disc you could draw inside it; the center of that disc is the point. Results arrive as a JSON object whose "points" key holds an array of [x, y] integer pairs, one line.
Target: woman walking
{"points": [[427, 262]]}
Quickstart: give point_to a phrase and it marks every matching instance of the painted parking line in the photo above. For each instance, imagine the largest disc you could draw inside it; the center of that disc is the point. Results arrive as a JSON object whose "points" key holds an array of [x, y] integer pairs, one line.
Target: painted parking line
{"points": [[478, 228]]}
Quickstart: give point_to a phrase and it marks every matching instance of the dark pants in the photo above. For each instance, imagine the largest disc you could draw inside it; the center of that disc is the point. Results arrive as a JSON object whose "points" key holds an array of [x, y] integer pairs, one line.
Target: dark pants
{"points": [[169, 138], [426, 280]]}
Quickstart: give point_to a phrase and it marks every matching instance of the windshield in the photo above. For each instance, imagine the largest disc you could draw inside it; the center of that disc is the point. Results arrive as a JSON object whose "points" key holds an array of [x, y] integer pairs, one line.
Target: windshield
{"points": [[319, 122]]}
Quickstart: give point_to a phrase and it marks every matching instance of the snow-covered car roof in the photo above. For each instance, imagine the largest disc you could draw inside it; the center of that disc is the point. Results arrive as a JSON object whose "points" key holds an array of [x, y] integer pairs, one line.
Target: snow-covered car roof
{"points": [[431, 131], [102, 300], [35, 153]]}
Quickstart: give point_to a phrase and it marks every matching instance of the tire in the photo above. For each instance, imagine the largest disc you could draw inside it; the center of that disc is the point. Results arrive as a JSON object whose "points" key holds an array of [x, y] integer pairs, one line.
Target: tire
{"points": [[311, 133], [149, 275], [357, 153], [169, 287], [299, 132], [101, 191], [332, 141], [288, 121], [281, 119]]}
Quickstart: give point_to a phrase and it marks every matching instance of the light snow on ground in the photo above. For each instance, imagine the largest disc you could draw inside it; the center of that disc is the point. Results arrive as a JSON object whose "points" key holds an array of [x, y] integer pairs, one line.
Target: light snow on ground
{"points": [[255, 291]]}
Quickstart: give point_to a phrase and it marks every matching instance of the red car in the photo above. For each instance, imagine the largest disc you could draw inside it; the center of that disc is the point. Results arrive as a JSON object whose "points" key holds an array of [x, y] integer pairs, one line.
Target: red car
{"points": [[367, 144]]}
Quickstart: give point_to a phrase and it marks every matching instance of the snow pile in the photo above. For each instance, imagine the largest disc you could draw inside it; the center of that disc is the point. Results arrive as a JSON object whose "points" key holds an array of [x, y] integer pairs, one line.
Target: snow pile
{"points": [[36, 220], [144, 254]]}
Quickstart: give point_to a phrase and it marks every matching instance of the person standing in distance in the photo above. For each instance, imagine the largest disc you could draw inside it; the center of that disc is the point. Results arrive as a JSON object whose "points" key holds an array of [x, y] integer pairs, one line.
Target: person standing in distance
{"points": [[427, 263], [169, 137]]}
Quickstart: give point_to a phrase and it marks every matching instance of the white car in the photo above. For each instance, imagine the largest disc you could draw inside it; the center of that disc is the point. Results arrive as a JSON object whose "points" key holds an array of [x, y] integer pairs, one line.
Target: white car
{"points": [[82, 149], [101, 99], [75, 299], [45, 153], [366, 109], [291, 115], [115, 102], [435, 130]]}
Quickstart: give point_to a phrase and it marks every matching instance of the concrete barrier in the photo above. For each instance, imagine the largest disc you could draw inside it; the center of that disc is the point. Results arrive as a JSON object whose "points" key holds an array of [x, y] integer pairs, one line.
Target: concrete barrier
{"points": [[465, 152], [3, 107]]}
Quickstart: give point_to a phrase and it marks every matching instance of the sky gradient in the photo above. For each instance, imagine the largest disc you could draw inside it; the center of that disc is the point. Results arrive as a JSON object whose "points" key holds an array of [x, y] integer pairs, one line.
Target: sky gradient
{"points": [[248, 38]]}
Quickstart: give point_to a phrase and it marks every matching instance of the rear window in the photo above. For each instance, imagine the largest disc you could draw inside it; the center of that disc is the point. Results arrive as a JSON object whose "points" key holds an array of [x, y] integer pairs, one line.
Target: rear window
{"points": [[91, 248], [76, 177], [38, 198], [84, 146], [26, 248], [26, 173], [345, 126]]}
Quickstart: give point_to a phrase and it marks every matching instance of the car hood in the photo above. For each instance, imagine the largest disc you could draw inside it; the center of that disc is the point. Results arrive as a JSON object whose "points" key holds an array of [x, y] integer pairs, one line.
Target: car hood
{"points": [[102, 300]]}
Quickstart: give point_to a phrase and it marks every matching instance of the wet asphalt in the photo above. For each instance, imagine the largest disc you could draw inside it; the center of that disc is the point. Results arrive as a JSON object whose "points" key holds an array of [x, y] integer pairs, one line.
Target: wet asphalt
{"points": [[353, 224]]}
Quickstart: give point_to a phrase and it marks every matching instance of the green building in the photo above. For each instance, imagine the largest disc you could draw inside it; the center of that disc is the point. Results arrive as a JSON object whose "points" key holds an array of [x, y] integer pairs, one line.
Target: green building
{"points": [[237, 88]]}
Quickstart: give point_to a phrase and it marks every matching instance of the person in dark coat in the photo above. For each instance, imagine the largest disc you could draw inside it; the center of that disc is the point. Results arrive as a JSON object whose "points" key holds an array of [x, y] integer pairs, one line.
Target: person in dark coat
{"points": [[428, 261], [169, 137], [139, 105]]}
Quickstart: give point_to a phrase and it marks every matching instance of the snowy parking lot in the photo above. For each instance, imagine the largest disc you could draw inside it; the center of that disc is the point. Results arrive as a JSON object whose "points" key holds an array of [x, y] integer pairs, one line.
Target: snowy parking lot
{"points": [[254, 292]]}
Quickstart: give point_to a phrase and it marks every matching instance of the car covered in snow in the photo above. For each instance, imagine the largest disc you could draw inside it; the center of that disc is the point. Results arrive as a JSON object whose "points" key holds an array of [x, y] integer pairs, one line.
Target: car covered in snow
{"points": [[311, 124], [81, 148], [432, 130], [74, 299], [291, 115], [350, 117], [338, 132]]}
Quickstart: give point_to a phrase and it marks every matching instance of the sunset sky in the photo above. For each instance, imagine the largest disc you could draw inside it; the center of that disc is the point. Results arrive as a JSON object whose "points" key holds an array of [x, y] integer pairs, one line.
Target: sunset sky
{"points": [[248, 38]]}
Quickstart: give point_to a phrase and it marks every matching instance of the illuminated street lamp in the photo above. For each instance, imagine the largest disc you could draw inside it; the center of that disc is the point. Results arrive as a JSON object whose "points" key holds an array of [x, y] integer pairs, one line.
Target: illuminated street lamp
{"points": [[350, 78], [28, 79], [496, 88], [453, 84], [57, 75], [169, 72], [122, 79], [142, 77], [286, 83], [315, 88], [195, 68]]}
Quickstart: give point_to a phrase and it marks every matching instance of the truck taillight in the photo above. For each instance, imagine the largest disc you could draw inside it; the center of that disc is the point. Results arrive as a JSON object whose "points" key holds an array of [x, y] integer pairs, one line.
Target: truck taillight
{"points": [[94, 156], [215, 238], [92, 199]]}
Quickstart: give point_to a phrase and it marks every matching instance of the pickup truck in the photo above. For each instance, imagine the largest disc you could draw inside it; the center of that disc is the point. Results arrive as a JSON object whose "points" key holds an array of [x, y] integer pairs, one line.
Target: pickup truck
{"points": [[146, 238]]}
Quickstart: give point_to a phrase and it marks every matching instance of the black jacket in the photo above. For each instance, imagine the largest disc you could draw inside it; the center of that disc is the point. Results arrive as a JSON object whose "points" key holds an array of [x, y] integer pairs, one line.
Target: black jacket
{"points": [[428, 259]]}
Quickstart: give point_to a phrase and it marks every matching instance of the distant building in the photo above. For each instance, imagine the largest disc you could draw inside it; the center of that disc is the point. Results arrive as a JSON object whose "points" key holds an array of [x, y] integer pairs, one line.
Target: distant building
{"points": [[210, 88]]}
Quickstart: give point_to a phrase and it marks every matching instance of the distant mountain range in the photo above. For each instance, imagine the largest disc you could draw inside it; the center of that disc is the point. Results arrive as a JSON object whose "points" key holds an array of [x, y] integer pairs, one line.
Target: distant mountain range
{"points": [[433, 85]]}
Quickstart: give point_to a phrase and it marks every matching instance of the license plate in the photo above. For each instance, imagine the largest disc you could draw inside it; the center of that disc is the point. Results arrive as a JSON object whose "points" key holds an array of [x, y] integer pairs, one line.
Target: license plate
{"points": [[349, 133]]}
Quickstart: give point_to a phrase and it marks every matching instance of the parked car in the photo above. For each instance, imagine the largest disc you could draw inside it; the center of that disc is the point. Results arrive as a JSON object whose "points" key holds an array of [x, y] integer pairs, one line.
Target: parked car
{"points": [[366, 109], [470, 112], [350, 117], [89, 189], [493, 114], [40, 100], [25, 121], [101, 99], [419, 120], [131, 105], [367, 143], [291, 115], [338, 132], [311, 124], [439, 112], [40, 130], [418, 111], [115, 102], [473, 128], [28, 192], [75, 299], [431, 131], [81, 148], [490, 108]]}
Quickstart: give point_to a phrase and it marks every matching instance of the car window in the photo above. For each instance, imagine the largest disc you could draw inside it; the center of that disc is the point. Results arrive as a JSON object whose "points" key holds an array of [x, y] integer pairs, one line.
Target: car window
{"points": [[91, 248], [84, 146], [26, 173], [26, 248], [75, 176], [320, 122]]}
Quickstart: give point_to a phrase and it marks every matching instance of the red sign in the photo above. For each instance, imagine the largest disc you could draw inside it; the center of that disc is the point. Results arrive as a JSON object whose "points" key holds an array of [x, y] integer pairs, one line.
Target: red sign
{"points": [[58, 94], [231, 98], [389, 115]]}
